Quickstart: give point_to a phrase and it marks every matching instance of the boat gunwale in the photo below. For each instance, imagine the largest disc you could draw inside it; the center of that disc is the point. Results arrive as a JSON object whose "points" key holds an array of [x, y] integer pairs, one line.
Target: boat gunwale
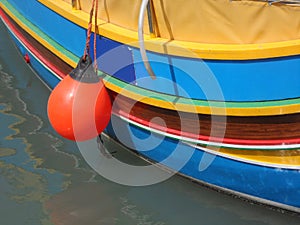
{"points": [[179, 48]]}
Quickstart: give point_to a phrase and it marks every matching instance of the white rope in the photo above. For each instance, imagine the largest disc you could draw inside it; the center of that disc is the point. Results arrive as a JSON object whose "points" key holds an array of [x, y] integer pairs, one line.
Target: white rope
{"points": [[141, 38]]}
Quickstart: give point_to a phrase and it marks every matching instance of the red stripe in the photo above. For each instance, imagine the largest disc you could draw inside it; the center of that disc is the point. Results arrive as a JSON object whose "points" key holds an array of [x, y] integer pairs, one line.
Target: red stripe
{"points": [[26, 43], [208, 138]]}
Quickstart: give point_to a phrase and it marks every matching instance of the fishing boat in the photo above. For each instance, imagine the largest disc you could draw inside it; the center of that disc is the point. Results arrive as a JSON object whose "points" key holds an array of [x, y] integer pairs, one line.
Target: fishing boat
{"points": [[209, 89]]}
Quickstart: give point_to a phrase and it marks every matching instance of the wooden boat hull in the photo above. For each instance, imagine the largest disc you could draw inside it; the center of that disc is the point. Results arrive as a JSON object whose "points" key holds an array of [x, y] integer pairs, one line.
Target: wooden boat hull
{"points": [[251, 151]]}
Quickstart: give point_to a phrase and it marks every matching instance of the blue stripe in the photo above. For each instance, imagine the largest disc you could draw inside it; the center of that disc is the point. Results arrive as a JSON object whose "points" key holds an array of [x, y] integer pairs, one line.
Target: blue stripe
{"points": [[278, 185], [237, 81]]}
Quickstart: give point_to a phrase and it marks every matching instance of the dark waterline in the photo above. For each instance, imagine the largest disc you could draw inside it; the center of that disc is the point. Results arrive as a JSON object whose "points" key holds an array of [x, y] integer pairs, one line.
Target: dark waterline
{"points": [[45, 180]]}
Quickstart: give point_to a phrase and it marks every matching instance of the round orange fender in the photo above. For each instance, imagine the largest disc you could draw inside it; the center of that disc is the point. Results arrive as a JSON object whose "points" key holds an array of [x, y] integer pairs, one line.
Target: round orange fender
{"points": [[79, 108]]}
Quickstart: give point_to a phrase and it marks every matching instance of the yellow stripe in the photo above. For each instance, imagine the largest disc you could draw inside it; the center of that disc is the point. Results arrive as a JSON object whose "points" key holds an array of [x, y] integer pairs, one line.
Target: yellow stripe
{"points": [[38, 38], [175, 47], [140, 98], [251, 111], [283, 157], [263, 111]]}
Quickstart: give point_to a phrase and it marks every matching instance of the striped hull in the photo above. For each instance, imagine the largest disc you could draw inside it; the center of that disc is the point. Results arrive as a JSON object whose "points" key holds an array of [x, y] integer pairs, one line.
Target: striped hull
{"points": [[257, 157]]}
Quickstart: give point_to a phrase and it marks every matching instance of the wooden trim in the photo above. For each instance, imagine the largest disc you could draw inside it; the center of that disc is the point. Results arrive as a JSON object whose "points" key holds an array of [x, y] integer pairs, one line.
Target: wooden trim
{"points": [[281, 129]]}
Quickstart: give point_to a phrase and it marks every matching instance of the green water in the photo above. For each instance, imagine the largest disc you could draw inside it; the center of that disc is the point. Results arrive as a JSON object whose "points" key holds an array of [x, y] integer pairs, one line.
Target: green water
{"points": [[44, 179]]}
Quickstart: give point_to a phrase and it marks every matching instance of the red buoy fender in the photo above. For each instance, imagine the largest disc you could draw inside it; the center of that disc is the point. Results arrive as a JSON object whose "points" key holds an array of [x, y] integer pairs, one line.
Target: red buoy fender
{"points": [[79, 108]]}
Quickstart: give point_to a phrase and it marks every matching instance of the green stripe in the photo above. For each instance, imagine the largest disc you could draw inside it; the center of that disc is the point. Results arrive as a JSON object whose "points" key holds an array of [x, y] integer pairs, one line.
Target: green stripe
{"points": [[195, 102]]}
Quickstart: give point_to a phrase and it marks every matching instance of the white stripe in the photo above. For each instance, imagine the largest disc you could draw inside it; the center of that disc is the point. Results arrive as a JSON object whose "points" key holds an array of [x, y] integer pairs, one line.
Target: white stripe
{"points": [[193, 143], [224, 155]]}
